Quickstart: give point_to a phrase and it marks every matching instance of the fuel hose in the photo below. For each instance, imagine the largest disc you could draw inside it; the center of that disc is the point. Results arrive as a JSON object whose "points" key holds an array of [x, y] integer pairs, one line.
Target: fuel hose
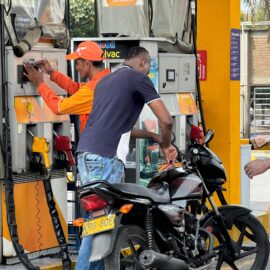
{"points": [[6, 152], [41, 146], [66, 262], [193, 4]]}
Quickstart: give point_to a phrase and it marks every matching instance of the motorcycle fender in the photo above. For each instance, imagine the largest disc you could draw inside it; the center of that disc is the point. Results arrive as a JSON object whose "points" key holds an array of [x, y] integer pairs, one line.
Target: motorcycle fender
{"points": [[229, 211], [102, 243]]}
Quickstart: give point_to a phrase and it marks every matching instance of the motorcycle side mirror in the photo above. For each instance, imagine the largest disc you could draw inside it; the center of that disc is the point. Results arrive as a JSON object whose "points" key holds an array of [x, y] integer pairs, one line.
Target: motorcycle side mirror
{"points": [[208, 136]]}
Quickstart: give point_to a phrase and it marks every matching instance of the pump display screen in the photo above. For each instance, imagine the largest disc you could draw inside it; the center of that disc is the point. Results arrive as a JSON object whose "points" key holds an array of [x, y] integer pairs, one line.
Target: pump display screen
{"points": [[170, 75]]}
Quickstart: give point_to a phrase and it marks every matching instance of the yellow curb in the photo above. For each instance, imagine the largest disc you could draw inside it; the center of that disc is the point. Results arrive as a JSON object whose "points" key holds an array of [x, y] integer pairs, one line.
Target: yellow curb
{"points": [[264, 218], [266, 147]]}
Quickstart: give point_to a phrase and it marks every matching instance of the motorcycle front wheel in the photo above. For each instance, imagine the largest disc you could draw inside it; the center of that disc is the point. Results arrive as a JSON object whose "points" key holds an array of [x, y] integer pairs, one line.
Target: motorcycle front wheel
{"points": [[129, 243], [250, 239]]}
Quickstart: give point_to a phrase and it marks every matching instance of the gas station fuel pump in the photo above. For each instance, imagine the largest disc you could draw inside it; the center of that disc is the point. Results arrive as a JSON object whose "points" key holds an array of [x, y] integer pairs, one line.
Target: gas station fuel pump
{"points": [[38, 138]]}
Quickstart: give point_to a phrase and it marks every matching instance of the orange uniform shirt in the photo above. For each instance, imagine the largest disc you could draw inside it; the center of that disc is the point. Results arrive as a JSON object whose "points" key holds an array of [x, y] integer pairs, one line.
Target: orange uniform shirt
{"points": [[81, 99]]}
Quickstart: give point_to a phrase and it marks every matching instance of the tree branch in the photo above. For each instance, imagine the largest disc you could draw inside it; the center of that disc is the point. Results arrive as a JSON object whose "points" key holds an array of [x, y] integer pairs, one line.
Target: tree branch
{"points": [[78, 24]]}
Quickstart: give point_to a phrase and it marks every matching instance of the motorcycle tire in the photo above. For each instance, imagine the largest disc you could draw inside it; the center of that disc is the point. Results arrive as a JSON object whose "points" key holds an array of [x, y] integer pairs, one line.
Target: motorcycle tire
{"points": [[122, 257], [249, 235]]}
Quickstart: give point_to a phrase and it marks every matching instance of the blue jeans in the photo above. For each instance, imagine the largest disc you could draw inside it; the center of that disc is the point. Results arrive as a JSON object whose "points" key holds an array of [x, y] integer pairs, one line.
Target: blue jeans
{"points": [[92, 168]]}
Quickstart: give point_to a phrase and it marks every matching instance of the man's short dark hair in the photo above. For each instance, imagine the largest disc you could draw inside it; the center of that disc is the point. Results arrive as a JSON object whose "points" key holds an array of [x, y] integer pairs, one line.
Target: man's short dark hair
{"points": [[136, 51]]}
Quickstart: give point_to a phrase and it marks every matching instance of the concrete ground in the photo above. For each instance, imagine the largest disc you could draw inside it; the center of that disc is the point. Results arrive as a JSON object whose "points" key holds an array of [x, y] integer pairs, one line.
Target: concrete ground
{"points": [[259, 200]]}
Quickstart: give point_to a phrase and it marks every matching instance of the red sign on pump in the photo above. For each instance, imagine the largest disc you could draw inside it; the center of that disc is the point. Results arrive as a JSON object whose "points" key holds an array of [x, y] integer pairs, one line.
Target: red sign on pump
{"points": [[202, 65]]}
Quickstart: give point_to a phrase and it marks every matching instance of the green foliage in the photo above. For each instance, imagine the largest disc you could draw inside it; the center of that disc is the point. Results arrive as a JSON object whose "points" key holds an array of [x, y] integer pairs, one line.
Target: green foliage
{"points": [[258, 10], [82, 18], [243, 16]]}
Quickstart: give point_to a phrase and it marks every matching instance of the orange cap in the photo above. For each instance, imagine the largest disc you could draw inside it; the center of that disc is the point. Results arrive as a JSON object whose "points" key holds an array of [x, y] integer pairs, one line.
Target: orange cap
{"points": [[87, 50]]}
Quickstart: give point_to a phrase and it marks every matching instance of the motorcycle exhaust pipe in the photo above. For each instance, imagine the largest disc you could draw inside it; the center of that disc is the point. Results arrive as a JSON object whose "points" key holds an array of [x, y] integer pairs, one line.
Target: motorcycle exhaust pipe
{"points": [[150, 258]]}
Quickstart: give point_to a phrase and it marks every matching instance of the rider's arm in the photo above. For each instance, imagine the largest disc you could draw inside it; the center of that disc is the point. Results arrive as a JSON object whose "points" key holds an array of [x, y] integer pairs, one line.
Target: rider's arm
{"points": [[152, 98], [145, 134], [164, 120]]}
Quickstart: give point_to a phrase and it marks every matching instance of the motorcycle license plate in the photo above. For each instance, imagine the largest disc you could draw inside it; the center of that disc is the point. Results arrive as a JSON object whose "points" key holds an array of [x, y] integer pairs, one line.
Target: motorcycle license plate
{"points": [[98, 225]]}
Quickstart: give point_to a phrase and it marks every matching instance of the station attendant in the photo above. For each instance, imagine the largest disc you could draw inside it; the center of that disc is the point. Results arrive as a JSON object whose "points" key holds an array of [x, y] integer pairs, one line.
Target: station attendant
{"points": [[89, 64]]}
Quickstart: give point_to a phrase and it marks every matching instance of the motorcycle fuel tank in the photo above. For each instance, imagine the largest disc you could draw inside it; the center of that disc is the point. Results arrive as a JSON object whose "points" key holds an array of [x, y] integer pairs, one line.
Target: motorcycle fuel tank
{"points": [[186, 187]]}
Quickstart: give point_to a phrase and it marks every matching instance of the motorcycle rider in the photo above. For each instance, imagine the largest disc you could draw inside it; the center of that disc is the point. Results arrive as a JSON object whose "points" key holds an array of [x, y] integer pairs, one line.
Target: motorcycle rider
{"points": [[118, 101]]}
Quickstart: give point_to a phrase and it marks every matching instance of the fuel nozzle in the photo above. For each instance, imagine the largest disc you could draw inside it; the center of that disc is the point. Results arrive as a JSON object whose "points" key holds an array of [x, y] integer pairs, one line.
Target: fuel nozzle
{"points": [[63, 144], [41, 145], [40, 150]]}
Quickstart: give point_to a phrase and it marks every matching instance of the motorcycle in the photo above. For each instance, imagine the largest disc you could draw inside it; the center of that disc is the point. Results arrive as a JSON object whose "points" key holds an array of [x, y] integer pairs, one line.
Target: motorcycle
{"points": [[169, 224]]}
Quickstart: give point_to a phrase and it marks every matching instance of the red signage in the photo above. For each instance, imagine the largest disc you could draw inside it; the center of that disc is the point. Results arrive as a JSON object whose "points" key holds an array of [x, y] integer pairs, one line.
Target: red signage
{"points": [[202, 65]]}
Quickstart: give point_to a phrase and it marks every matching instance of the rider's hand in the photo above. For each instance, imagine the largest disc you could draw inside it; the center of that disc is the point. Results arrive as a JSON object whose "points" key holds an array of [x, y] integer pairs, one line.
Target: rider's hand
{"points": [[169, 153], [44, 66]]}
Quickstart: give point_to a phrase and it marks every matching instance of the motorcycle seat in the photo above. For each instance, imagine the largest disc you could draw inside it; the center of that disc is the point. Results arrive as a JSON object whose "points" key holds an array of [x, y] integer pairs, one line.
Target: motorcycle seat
{"points": [[162, 195]]}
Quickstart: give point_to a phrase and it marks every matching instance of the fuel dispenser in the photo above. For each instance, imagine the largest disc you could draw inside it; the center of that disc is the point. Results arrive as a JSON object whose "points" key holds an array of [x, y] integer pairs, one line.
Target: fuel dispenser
{"points": [[38, 138], [173, 75], [177, 87]]}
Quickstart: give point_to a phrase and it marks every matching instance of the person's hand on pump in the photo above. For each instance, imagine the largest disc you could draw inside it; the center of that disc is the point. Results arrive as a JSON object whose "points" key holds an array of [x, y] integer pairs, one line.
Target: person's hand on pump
{"points": [[33, 75], [44, 66], [170, 153], [259, 141]]}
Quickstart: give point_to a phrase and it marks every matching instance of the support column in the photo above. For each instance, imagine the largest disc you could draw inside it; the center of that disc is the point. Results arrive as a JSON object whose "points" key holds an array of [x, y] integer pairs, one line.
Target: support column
{"points": [[220, 94]]}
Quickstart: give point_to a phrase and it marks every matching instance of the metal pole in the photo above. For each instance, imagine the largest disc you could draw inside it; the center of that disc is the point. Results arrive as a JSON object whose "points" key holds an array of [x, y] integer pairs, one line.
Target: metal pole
{"points": [[2, 52], [67, 14], [2, 64]]}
